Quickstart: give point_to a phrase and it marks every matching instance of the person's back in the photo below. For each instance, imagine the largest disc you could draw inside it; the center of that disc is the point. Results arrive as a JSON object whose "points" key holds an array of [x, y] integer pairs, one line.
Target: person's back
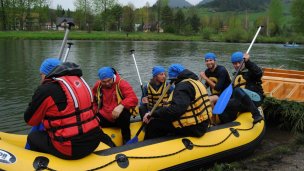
{"points": [[188, 112], [64, 103]]}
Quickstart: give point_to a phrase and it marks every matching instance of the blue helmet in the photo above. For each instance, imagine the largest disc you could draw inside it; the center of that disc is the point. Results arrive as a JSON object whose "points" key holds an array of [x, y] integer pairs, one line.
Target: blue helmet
{"points": [[210, 55], [174, 70], [237, 57], [48, 65], [157, 70], [105, 72]]}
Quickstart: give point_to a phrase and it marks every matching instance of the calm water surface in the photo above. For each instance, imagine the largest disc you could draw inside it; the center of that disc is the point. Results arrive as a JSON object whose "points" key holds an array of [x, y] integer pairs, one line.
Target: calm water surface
{"points": [[20, 61]]}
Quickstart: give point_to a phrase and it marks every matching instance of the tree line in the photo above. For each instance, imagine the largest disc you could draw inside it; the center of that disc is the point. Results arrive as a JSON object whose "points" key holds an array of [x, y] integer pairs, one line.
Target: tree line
{"points": [[109, 15]]}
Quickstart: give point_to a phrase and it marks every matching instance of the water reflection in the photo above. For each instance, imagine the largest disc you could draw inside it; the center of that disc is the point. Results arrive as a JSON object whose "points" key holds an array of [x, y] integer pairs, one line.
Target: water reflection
{"points": [[20, 61]]}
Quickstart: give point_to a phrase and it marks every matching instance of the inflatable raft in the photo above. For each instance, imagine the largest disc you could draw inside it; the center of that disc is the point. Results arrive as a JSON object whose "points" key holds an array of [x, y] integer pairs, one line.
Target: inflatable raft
{"points": [[221, 143]]}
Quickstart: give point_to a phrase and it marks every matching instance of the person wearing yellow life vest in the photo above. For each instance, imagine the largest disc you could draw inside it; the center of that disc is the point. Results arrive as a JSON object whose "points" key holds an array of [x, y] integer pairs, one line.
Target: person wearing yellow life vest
{"points": [[249, 77], [114, 99], [153, 90], [216, 76], [62, 104], [188, 111]]}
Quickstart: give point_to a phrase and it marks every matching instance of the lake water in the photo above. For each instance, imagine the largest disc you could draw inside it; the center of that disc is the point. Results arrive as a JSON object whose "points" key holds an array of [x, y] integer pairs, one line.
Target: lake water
{"points": [[20, 61]]}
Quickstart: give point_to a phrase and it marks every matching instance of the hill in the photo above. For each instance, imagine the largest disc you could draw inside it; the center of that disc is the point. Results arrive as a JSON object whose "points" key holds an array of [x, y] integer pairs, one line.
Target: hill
{"points": [[204, 2], [235, 5], [179, 4]]}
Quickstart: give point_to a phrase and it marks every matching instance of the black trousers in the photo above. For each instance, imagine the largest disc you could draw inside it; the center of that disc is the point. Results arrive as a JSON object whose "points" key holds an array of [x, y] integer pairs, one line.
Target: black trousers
{"points": [[122, 122], [143, 109], [82, 145], [239, 103], [161, 128]]}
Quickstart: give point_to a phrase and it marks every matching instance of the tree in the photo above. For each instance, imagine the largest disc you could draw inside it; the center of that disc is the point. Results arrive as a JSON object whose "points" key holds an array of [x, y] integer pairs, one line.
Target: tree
{"points": [[128, 18], [167, 18], [297, 11], [116, 15], [179, 20], [275, 16], [102, 8], [195, 23], [3, 14]]}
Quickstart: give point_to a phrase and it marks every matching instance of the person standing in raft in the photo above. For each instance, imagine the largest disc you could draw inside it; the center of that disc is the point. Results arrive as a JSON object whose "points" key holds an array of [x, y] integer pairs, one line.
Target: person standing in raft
{"points": [[188, 111], [216, 77], [249, 77], [63, 104], [153, 90], [114, 101]]}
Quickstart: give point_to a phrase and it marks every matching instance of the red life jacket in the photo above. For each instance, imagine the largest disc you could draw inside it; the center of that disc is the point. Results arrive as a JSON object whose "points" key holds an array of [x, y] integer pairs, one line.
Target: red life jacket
{"points": [[78, 117]]}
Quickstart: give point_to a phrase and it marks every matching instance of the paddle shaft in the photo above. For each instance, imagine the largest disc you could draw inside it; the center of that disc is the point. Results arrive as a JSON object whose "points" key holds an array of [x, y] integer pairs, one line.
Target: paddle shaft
{"points": [[155, 106], [67, 52], [248, 50], [70, 24], [141, 85]]}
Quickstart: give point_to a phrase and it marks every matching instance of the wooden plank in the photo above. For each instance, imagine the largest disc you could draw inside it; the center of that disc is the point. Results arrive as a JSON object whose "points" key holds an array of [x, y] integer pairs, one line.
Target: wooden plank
{"points": [[280, 79], [283, 71], [284, 75]]}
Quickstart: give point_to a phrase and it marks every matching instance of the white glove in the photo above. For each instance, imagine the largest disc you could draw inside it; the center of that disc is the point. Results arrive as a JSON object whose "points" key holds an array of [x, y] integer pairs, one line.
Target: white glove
{"points": [[117, 111]]}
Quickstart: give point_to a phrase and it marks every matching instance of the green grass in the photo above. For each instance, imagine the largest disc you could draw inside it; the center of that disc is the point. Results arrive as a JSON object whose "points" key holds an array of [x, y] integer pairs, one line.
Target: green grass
{"points": [[82, 35], [140, 36]]}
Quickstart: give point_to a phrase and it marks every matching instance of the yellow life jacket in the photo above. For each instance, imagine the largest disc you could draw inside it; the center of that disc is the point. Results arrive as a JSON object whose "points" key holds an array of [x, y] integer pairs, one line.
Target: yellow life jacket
{"points": [[213, 91], [199, 110], [154, 95], [239, 81], [134, 110]]}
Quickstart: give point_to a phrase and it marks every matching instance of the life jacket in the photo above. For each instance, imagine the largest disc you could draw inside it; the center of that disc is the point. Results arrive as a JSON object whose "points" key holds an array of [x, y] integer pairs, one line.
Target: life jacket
{"points": [[134, 111], [213, 91], [154, 95], [240, 81], [78, 117], [199, 109]]}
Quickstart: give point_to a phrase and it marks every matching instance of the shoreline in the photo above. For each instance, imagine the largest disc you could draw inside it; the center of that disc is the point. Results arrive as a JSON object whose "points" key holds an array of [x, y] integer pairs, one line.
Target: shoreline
{"points": [[138, 36]]}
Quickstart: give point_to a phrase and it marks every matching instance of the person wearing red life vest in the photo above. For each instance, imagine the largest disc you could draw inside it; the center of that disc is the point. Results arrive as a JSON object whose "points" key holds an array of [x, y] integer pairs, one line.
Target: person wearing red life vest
{"points": [[114, 99], [63, 103]]}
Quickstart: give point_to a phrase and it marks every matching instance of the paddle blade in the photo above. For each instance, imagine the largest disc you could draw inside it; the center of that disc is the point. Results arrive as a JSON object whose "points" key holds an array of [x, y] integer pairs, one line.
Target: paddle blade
{"points": [[253, 95], [133, 140], [222, 101]]}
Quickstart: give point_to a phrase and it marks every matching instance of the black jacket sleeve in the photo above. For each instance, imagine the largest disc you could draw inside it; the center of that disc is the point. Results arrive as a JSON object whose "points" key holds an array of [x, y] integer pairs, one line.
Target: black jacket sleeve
{"points": [[255, 71], [183, 95]]}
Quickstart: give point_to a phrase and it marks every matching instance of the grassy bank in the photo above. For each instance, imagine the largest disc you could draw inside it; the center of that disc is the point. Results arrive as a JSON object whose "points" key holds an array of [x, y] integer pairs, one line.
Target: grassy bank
{"points": [[81, 35]]}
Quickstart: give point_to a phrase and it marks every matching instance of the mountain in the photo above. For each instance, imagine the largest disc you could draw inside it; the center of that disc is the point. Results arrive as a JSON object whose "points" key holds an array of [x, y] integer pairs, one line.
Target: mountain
{"points": [[174, 3], [204, 2], [179, 4], [235, 5]]}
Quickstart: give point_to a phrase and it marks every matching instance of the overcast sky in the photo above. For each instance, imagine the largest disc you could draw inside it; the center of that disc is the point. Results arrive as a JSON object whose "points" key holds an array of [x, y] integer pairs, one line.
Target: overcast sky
{"points": [[137, 3]]}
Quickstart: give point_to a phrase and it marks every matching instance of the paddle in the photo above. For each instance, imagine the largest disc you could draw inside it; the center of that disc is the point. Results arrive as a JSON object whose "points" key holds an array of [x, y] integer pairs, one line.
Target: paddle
{"points": [[226, 94], [70, 24], [253, 95], [135, 138], [141, 85]]}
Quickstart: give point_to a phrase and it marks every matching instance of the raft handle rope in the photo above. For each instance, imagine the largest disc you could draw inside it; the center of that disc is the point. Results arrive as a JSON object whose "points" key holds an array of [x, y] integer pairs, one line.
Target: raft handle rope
{"points": [[122, 160]]}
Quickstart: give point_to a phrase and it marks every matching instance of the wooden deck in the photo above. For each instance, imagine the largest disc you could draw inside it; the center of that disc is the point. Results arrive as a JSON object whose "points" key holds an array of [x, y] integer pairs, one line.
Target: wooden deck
{"points": [[284, 84]]}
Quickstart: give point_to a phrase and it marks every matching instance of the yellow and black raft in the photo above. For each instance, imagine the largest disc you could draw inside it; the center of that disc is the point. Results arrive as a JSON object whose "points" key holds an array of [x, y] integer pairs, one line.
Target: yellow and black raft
{"points": [[221, 143]]}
